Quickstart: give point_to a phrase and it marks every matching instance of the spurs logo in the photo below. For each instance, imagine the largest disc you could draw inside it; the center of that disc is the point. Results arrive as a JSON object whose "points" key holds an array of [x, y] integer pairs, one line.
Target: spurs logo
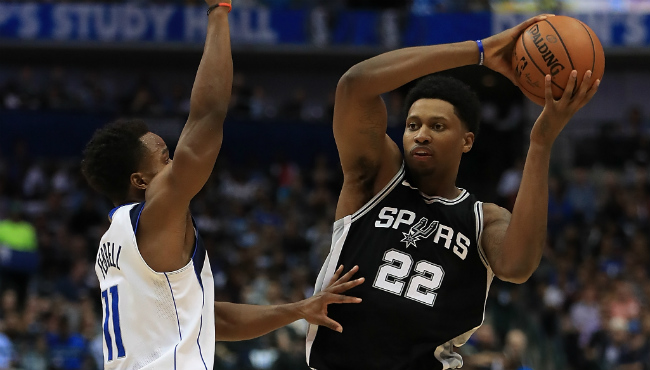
{"points": [[419, 231]]}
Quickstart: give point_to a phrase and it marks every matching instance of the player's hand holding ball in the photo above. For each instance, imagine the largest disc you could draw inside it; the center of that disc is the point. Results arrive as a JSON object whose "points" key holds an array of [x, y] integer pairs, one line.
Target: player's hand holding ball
{"points": [[545, 45], [556, 46], [557, 113], [499, 48]]}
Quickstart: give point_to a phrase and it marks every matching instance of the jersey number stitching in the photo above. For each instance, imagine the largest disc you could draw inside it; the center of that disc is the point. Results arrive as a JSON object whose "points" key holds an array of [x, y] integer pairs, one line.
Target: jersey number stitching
{"points": [[421, 287], [114, 308]]}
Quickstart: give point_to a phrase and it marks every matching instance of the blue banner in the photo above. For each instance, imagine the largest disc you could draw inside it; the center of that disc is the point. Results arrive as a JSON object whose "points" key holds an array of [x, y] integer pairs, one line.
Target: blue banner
{"points": [[174, 24], [614, 29], [133, 23]]}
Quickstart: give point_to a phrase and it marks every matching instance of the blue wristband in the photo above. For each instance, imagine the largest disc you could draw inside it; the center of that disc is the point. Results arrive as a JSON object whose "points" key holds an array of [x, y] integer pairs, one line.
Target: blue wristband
{"points": [[481, 51]]}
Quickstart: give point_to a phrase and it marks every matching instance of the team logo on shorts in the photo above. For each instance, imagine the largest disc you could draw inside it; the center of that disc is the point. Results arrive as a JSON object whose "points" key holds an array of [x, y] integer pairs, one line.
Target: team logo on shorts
{"points": [[419, 231]]}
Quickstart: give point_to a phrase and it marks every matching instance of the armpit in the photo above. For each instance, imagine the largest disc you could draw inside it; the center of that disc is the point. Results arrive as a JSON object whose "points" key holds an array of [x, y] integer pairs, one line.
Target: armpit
{"points": [[495, 224]]}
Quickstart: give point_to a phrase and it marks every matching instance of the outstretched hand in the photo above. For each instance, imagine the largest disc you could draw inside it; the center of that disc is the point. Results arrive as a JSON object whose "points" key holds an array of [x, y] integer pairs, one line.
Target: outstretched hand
{"points": [[557, 113], [314, 309], [499, 47]]}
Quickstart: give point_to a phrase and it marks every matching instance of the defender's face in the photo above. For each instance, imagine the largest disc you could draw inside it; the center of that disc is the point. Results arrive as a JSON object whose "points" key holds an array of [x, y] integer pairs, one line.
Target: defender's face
{"points": [[434, 137], [156, 156]]}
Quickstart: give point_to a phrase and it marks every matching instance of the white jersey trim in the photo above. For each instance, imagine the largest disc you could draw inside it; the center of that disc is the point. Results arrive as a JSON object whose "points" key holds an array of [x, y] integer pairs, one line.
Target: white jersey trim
{"points": [[478, 214], [444, 353], [341, 229], [429, 199], [379, 196]]}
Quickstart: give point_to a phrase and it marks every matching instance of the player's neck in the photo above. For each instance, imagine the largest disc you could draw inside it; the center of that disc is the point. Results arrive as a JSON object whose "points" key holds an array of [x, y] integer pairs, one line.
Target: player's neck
{"points": [[435, 185]]}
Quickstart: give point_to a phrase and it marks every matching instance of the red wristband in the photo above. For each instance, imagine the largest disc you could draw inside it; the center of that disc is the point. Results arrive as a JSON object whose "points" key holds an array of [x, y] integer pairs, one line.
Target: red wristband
{"points": [[227, 5]]}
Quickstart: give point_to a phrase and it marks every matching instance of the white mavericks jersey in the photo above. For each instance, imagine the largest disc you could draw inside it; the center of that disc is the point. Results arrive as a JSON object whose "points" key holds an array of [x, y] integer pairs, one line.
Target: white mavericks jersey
{"points": [[153, 320]]}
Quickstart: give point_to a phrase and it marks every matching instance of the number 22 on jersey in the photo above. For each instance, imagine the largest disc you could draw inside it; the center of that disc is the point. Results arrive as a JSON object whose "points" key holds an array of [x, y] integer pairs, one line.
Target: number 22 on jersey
{"points": [[111, 302], [421, 287]]}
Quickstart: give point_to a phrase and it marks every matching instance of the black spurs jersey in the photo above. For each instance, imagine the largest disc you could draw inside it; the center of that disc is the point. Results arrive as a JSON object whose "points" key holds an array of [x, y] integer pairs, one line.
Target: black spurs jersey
{"points": [[426, 284]]}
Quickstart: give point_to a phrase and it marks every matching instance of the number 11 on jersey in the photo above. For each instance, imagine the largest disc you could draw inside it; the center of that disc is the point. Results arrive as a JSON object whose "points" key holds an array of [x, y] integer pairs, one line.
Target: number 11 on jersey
{"points": [[115, 310]]}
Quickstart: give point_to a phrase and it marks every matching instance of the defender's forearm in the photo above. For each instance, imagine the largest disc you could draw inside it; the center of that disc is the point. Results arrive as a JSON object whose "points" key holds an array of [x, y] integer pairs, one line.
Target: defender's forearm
{"points": [[213, 82], [235, 322]]}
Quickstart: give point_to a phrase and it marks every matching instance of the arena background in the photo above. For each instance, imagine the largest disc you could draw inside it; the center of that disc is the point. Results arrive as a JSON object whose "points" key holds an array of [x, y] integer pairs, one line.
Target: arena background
{"points": [[66, 68]]}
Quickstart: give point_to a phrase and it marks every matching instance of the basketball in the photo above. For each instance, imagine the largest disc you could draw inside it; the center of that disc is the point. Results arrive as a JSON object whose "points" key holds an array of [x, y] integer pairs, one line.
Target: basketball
{"points": [[556, 46]]}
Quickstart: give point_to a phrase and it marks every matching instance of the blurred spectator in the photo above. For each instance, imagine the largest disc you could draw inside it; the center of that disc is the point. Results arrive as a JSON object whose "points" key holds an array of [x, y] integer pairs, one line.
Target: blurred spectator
{"points": [[585, 315], [35, 355], [294, 107], [6, 352], [18, 253], [581, 195], [624, 304], [515, 351], [508, 186], [68, 349]]}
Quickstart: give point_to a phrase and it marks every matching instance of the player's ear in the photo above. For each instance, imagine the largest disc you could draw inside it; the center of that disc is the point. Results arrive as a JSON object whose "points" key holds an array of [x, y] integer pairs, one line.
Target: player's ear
{"points": [[468, 141], [139, 181]]}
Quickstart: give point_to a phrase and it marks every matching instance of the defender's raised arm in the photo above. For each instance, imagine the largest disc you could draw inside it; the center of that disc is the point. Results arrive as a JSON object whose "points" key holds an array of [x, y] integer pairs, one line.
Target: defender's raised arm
{"points": [[202, 135]]}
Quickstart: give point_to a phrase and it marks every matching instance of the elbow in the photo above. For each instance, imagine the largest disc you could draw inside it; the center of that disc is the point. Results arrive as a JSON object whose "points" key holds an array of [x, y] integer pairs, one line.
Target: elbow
{"points": [[352, 80], [514, 275], [204, 104]]}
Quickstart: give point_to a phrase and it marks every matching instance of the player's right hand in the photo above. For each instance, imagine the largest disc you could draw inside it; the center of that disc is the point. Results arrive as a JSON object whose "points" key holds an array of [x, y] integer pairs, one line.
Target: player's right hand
{"points": [[314, 309], [499, 47], [557, 113]]}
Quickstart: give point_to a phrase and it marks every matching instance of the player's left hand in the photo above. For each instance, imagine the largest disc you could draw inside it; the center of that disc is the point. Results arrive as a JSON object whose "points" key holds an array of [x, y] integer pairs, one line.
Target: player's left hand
{"points": [[314, 309], [557, 113], [499, 47]]}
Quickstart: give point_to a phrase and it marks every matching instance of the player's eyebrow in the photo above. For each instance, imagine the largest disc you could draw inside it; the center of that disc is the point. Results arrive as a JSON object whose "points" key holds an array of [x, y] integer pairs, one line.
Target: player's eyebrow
{"points": [[429, 118], [165, 150]]}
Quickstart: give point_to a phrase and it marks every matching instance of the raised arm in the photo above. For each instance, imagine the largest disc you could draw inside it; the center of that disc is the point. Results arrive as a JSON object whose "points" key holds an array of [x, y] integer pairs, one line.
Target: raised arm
{"points": [[200, 140], [369, 158], [165, 232], [235, 322], [514, 244]]}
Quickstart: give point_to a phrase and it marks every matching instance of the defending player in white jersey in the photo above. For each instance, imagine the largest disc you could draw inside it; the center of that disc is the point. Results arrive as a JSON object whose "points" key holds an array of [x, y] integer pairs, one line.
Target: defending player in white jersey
{"points": [[155, 276]]}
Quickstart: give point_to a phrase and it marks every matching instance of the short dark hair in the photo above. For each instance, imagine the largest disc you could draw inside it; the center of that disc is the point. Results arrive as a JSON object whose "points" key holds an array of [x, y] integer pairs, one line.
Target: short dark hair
{"points": [[466, 104], [112, 155]]}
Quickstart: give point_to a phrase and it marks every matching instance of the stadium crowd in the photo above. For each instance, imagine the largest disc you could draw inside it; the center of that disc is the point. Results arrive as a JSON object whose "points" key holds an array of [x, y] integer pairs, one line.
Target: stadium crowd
{"points": [[146, 94], [267, 230]]}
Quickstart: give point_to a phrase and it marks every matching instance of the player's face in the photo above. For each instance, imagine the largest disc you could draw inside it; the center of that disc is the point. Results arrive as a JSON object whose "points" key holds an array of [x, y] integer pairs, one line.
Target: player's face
{"points": [[156, 155], [434, 137]]}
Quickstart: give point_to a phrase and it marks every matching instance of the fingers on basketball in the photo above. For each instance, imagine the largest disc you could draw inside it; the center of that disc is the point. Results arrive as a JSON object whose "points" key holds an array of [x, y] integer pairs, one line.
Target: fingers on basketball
{"points": [[548, 91], [570, 86], [585, 85], [525, 24], [556, 45]]}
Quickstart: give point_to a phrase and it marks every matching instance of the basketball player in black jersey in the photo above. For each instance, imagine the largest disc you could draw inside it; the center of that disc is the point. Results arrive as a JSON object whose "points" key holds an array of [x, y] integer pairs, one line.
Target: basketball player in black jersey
{"points": [[428, 248]]}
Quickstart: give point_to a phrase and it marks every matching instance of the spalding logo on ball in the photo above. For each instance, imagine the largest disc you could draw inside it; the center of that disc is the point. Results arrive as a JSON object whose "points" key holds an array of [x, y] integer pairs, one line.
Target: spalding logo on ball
{"points": [[556, 46]]}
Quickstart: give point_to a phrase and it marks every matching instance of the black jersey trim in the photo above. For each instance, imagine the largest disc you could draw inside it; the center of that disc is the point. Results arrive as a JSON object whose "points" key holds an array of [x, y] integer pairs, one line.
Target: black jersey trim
{"points": [[381, 195]]}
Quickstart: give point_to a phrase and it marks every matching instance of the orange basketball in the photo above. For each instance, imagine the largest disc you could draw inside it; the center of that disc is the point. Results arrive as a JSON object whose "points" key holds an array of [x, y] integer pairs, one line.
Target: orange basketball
{"points": [[556, 46]]}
